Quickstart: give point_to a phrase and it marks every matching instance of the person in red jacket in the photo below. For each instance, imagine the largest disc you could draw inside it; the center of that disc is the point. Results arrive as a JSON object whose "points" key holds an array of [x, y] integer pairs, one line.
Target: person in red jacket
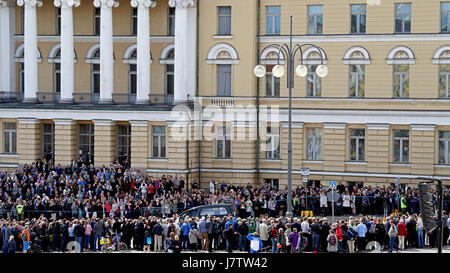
{"points": [[401, 234], [339, 235]]}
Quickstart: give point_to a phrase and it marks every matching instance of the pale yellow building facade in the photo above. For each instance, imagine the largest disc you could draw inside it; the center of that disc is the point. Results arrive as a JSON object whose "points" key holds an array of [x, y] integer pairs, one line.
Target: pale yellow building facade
{"points": [[382, 112]]}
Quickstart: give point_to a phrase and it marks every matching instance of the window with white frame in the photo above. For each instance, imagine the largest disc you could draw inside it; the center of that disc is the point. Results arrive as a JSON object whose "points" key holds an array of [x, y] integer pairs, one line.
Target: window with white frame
{"points": [[224, 80], [132, 77], [169, 72], [273, 14], [400, 146], [123, 142], [171, 22], [9, 138], [401, 80], [134, 19], [48, 141], [58, 21], [444, 74], [86, 140], [357, 80], [224, 21], [445, 16], [315, 19], [57, 73], [313, 82], [223, 142], [444, 147], [95, 73], [272, 83], [313, 143], [357, 19], [272, 143], [403, 17], [357, 144], [96, 21], [158, 141]]}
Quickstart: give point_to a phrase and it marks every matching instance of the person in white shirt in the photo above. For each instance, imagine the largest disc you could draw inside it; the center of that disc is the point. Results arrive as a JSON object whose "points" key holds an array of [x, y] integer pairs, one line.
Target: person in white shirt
{"points": [[346, 203], [248, 207], [264, 232], [419, 226], [323, 203]]}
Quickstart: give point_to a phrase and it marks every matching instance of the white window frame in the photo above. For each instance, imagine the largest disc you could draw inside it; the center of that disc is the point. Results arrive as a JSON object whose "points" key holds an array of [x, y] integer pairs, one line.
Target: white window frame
{"points": [[134, 19], [161, 153], [448, 17], [446, 141], [91, 136], [356, 75], [401, 81], [227, 17], [273, 17], [401, 141], [227, 77], [358, 19], [311, 154], [127, 136], [314, 19], [52, 143], [404, 15], [223, 135], [170, 18], [275, 85], [97, 21], [316, 80], [10, 134], [357, 139], [56, 72], [272, 143]]}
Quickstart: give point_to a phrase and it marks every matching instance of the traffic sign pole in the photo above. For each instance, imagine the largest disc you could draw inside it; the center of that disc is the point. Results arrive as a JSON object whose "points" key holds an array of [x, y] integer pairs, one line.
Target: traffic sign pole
{"points": [[332, 203]]}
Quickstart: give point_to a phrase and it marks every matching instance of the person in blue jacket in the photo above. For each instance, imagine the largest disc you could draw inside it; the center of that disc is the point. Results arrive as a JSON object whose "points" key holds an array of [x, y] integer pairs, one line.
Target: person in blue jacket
{"points": [[254, 237]]}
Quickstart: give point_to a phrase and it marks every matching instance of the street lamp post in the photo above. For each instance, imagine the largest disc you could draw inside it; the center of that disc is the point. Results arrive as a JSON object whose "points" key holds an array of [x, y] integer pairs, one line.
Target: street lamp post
{"points": [[289, 51]]}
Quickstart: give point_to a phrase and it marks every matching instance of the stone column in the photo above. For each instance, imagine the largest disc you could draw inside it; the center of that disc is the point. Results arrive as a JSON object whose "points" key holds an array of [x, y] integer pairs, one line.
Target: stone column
{"points": [[185, 49], [67, 70], [105, 148], [29, 140], [139, 144], [7, 30], [66, 141], [30, 49], [143, 49], [106, 49]]}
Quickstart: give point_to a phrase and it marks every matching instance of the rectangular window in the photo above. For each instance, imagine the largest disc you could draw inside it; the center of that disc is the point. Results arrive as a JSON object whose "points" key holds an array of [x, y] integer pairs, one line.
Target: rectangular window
{"points": [[444, 74], [403, 18], [357, 144], [223, 142], [273, 14], [134, 19], [22, 11], [445, 12], [272, 144], [444, 145], [357, 80], [315, 19], [159, 141], [96, 21], [123, 142], [96, 78], [57, 77], [48, 141], [22, 77], [314, 143], [313, 82], [9, 138], [224, 80], [171, 22], [58, 21], [133, 79], [357, 19], [224, 21], [400, 146], [401, 80], [170, 84], [272, 83], [86, 141]]}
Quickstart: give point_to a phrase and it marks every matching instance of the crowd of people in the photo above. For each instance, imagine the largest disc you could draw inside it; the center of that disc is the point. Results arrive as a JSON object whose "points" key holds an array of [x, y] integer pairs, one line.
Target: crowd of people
{"points": [[53, 205]]}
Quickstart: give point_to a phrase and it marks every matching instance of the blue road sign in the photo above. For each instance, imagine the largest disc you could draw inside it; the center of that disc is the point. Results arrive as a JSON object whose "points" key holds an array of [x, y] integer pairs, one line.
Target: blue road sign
{"points": [[332, 185]]}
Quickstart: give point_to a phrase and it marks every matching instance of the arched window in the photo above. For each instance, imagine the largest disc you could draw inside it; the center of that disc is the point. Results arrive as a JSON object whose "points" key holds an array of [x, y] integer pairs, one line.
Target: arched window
{"points": [[224, 56], [442, 59], [168, 59], [95, 72], [130, 58], [401, 57], [357, 57], [312, 58], [269, 57]]}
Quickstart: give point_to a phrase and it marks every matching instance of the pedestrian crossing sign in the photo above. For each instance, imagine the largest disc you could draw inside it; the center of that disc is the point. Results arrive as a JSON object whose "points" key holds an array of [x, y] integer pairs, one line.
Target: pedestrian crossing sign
{"points": [[332, 185]]}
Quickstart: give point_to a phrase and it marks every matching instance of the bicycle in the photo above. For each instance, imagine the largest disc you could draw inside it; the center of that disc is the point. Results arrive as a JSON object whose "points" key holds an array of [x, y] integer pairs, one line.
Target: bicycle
{"points": [[107, 246]]}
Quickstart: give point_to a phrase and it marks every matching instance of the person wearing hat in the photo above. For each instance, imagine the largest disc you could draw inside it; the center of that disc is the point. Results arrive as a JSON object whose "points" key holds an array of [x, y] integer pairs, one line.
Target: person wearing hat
{"points": [[255, 242]]}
